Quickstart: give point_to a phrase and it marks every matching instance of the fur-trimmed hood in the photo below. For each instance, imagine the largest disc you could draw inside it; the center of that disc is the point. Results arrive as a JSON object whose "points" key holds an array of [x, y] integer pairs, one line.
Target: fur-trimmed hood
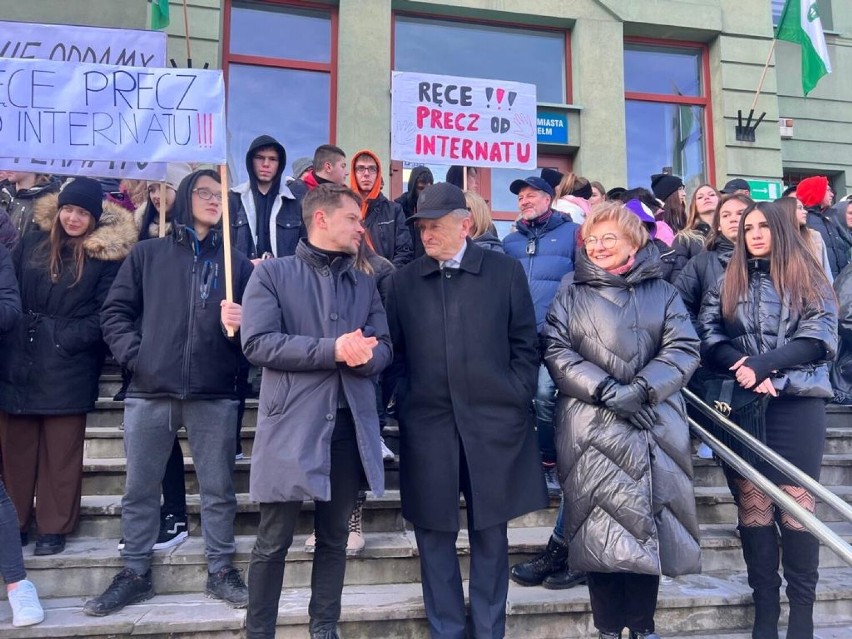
{"points": [[111, 240]]}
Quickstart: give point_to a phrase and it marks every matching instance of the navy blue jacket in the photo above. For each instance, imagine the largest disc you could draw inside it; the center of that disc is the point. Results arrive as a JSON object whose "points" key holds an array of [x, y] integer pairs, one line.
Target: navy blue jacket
{"points": [[554, 244], [837, 240]]}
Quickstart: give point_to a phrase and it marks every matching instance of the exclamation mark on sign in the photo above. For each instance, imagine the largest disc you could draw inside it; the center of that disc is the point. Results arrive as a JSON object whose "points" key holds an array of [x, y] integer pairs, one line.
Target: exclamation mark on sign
{"points": [[511, 98], [199, 129], [489, 93], [500, 94], [209, 129]]}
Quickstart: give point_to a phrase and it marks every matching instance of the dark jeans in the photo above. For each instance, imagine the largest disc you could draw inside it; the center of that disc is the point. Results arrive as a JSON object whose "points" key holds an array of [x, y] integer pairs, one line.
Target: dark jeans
{"points": [[544, 404], [174, 485], [331, 525], [623, 600], [11, 559]]}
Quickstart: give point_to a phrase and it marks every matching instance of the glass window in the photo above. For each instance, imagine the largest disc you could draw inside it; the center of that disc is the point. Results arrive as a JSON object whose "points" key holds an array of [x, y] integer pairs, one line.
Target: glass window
{"points": [[662, 136], [280, 32], [650, 69], [483, 51], [298, 117], [502, 199]]}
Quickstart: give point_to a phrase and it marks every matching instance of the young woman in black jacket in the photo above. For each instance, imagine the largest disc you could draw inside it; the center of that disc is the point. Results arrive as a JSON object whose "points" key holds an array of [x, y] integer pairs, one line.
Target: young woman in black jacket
{"points": [[52, 358], [772, 322]]}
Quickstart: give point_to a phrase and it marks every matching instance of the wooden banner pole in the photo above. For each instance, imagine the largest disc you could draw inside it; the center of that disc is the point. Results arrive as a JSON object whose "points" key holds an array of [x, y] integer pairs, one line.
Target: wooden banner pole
{"points": [[226, 237], [163, 207], [763, 75]]}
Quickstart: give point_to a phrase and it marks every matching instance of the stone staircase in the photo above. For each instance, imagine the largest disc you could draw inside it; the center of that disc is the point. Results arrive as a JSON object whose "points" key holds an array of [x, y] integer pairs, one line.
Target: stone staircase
{"points": [[382, 597]]}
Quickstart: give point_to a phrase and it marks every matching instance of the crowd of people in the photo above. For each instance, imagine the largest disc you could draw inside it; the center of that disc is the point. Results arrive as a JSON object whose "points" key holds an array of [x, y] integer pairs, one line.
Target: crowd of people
{"points": [[601, 306]]}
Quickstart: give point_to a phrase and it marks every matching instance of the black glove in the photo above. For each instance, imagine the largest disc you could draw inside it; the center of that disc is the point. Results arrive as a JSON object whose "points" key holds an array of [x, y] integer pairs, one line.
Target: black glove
{"points": [[644, 419], [624, 399]]}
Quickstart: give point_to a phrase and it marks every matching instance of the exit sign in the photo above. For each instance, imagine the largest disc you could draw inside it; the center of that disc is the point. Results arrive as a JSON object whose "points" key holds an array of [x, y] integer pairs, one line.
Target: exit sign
{"points": [[764, 190]]}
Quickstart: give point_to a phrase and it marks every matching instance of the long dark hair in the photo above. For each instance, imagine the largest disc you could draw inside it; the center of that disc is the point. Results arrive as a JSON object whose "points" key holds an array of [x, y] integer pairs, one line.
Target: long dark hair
{"points": [[715, 233], [59, 243], [673, 212], [797, 276]]}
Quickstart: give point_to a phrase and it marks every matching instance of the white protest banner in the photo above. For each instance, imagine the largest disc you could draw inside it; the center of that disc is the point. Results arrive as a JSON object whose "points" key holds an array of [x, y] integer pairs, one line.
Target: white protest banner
{"points": [[440, 119], [100, 112], [73, 43]]}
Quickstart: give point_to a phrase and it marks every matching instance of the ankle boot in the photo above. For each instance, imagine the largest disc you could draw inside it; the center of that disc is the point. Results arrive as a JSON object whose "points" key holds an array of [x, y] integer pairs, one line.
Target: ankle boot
{"points": [[800, 560], [760, 551], [553, 559]]}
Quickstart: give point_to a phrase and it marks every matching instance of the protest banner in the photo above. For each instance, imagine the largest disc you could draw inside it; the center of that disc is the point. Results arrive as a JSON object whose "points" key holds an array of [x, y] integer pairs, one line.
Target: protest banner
{"points": [[105, 112], [473, 122], [72, 43]]}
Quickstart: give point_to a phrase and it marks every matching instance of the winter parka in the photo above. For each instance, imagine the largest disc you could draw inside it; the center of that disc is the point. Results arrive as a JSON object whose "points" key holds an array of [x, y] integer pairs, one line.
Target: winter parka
{"points": [[687, 245], [837, 241], [762, 323], [629, 504], [294, 310], [547, 253], [10, 297], [52, 358], [841, 370], [22, 206], [703, 272]]}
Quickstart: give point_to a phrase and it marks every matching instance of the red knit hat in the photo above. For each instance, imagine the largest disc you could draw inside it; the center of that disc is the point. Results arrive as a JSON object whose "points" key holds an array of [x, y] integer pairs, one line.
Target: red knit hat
{"points": [[811, 191]]}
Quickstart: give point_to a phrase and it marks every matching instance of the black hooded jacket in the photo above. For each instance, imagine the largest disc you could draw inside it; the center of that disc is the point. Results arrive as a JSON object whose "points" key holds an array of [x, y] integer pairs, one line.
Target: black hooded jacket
{"points": [[161, 318], [408, 201], [703, 272], [265, 223], [836, 238]]}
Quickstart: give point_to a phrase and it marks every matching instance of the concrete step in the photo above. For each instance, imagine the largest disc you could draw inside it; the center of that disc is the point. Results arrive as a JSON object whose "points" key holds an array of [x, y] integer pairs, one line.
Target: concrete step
{"points": [[109, 413], [838, 440], [836, 471], [389, 557], [839, 416], [105, 442], [720, 603]]}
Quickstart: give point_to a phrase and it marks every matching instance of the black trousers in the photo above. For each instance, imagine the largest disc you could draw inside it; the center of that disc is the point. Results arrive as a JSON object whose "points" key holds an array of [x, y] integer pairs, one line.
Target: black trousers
{"points": [[440, 573], [174, 485], [623, 600], [331, 525]]}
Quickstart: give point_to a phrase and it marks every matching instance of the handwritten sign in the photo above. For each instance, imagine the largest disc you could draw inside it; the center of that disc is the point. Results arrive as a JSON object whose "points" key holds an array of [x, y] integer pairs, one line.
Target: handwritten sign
{"points": [[105, 112], [451, 120], [123, 47]]}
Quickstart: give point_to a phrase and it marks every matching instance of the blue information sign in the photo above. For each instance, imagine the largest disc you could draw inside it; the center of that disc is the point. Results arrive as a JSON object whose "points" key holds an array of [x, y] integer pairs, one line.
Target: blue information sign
{"points": [[552, 127]]}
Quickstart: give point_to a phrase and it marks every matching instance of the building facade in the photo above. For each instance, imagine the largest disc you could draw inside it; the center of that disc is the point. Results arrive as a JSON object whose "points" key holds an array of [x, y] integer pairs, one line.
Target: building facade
{"points": [[624, 88]]}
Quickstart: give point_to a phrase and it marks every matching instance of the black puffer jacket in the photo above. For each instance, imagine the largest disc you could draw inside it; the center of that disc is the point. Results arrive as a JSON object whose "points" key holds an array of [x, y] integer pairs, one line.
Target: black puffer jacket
{"points": [[836, 238], [22, 206], [408, 201], [10, 298], [756, 326], [841, 371], [703, 272], [632, 507], [52, 358], [161, 319], [687, 245]]}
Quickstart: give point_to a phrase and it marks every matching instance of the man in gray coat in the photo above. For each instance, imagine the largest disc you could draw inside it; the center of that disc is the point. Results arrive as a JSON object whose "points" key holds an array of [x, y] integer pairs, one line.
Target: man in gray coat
{"points": [[463, 324], [317, 327]]}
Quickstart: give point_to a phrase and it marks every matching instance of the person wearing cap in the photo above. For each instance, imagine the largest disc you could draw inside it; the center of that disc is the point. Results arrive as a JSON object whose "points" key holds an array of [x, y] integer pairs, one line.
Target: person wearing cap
{"points": [[817, 196], [737, 185], [463, 410], [544, 242], [266, 219], [317, 326], [52, 357], [301, 166], [670, 190]]}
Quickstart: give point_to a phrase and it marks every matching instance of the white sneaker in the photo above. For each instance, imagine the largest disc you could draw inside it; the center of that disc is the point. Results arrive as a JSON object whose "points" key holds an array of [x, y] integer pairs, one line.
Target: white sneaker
{"points": [[704, 451], [387, 453], [26, 609]]}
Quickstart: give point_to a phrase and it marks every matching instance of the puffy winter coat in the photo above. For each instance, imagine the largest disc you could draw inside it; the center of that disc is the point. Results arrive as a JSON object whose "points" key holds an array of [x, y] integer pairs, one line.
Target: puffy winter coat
{"points": [[391, 236], [836, 238], [547, 253], [52, 358], [762, 323], [841, 370], [687, 245], [629, 503], [10, 298], [22, 206], [702, 273]]}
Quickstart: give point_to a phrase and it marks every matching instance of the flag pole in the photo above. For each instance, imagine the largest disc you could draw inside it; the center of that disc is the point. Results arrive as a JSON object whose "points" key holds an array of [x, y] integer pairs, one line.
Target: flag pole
{"points": [[186, 34], [162, 211], [226, 237], [763, 75]]}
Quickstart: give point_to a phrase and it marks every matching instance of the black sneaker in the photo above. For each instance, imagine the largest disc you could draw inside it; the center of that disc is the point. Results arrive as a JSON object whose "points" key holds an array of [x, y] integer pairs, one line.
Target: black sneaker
{"points": [[228, 585], [173, 530], [126, 588], [49, 544]]}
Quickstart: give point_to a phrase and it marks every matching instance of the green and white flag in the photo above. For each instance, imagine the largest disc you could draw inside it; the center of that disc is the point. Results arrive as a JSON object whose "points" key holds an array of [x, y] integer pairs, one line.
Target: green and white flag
{"points": [[800, 23]]}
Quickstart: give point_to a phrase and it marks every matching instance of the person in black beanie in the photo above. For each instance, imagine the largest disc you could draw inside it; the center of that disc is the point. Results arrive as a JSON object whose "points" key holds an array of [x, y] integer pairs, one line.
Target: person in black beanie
{"points": [[669, 189], [53, 356]]}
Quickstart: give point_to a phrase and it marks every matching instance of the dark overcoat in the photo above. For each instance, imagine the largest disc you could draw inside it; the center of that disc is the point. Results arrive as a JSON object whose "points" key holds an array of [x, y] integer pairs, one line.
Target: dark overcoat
{"points": [[467, 339]]}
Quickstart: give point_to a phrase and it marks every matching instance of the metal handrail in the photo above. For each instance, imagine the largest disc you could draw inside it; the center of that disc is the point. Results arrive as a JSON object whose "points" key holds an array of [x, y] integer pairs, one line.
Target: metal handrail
{"points": [[822, 532], [788, 469]]}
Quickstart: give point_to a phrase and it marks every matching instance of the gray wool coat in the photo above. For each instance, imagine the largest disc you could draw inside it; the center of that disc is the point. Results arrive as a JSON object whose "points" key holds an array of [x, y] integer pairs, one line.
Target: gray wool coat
{"points": [[293, 311], [629, 501]]}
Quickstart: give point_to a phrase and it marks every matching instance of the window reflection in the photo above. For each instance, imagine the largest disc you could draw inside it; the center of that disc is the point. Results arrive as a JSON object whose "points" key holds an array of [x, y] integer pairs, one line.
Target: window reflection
{"points": [[483, 51], [278, 32], [664, 135], [649, 69], [502, 199], [290, 105]]}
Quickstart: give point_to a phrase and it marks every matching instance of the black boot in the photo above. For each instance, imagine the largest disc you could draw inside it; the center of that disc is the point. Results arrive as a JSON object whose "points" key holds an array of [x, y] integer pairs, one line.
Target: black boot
{"points": [[553, 559], [608, 635], [800, 560], [643, 635], [760, 551]]}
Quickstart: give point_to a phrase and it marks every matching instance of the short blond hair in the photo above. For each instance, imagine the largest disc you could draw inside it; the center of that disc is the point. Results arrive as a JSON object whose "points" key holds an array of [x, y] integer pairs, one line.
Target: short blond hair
{"points": [[480, 214], [629, 224]]}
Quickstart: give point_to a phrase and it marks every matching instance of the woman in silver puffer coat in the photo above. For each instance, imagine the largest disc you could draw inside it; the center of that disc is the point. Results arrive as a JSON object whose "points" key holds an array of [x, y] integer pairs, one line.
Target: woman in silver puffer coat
{"points": [[620, 347]]}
